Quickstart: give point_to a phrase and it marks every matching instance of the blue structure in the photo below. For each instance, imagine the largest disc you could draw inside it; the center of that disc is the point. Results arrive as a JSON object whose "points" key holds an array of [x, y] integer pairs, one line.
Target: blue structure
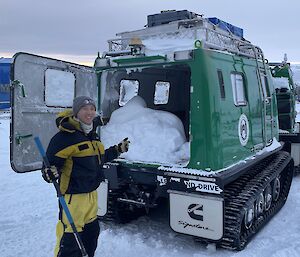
{"points": [[227, 26], [4, 83]]}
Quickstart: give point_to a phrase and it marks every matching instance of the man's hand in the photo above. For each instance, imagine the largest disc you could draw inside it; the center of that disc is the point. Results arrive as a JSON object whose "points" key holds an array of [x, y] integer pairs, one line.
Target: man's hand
{"points": [[123, 146], [50, 174]]}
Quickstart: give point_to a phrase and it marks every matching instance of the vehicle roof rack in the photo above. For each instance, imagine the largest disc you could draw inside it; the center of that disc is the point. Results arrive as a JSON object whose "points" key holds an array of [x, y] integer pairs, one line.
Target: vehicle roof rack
{"points": [[202, 30]]}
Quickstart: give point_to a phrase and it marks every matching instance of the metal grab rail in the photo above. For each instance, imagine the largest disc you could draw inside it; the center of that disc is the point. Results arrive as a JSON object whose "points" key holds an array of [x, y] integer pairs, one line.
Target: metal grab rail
{"points": [[211, 37]]}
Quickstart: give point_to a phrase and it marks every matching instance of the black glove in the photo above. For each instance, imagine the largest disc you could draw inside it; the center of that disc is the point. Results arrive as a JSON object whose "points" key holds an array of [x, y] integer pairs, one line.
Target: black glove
{"points": [[50, 174], [123, 146], [97, 121]]}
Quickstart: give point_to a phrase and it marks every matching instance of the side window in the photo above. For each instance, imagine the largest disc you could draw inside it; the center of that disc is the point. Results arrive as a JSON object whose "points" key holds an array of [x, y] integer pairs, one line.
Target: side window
{"points": [[59, 88], [265, 85], [161, 95], [128, 90], [221, 84], [237, 82]]}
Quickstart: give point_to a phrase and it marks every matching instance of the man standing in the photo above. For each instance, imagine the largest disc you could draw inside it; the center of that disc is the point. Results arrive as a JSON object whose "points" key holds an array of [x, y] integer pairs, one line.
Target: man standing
{"points": [[76, 156]]}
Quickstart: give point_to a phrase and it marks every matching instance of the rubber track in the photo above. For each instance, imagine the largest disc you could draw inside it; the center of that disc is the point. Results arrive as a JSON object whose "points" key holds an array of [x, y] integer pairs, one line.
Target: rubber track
{"points": [[245, 190], [118, 212]]}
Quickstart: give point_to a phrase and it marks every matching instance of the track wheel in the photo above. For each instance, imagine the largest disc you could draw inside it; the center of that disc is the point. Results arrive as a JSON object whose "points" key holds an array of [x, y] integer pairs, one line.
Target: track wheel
{"points": [[260, 204], [276, 189], [268, 197], [249, 216]]}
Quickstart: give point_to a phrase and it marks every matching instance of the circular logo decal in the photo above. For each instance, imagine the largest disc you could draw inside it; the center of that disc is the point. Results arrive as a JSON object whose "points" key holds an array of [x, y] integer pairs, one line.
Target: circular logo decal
{"points": [[243, 129]]}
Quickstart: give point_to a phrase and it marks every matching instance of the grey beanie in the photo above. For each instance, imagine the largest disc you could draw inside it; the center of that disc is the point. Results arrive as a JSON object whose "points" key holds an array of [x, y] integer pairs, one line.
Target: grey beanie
{"points": [[80, 102]]}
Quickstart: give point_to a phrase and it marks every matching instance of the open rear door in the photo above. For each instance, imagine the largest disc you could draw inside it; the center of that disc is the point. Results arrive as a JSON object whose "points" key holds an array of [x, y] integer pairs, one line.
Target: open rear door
{"points": [[41, 88]]}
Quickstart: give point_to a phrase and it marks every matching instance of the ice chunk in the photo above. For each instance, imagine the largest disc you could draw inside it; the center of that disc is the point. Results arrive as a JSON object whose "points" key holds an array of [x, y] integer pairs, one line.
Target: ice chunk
{"points": [[156, 136]]}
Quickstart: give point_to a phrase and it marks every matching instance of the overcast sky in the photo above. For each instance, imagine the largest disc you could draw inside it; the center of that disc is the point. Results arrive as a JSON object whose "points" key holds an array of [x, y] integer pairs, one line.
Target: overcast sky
{"points": [[76, 30]]}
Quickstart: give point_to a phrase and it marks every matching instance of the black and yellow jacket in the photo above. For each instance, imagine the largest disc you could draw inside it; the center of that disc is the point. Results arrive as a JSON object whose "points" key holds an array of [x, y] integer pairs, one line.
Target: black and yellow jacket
{"points": [[77, 156]]}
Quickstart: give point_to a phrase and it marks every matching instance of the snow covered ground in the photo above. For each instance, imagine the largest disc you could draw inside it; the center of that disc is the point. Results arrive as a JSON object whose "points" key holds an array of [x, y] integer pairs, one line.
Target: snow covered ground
{"points": [[28, 217]]}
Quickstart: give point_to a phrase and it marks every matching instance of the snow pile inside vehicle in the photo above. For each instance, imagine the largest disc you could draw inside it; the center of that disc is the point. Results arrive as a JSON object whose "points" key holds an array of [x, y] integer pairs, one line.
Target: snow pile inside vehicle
{"points": [[156, 136]]}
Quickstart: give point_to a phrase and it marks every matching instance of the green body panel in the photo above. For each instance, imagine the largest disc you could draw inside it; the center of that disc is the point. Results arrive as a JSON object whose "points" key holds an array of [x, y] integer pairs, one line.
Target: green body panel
{"points": [[139, 59], [214, 121], [285, 72], [286, 98]]}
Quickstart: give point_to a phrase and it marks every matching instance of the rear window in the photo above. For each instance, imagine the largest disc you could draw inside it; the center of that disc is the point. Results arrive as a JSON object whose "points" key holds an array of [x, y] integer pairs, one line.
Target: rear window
{"points": [[128, 90], [161, 95], [59, 88]]}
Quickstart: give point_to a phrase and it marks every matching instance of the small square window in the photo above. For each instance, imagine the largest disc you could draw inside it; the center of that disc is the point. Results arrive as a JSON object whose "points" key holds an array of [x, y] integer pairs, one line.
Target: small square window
{"points": [[238, 89], [128, 90], [161, 95], [59, 88]]}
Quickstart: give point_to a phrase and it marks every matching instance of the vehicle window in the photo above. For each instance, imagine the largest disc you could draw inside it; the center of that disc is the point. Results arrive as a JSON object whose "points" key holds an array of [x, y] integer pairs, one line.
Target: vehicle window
{"points": [[238, 89], [59, 88], [265, 85], [128, 90], [221, 84], [161, 95]]}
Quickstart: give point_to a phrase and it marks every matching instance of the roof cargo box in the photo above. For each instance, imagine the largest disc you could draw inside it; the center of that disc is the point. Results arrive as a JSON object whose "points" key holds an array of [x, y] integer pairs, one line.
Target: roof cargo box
{"points": [[166, 17], [227, 26]]}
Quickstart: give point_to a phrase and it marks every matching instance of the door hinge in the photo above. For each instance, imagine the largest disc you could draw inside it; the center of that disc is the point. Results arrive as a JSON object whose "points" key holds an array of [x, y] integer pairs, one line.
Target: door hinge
{"points": [[19, 138], [17, 83]]}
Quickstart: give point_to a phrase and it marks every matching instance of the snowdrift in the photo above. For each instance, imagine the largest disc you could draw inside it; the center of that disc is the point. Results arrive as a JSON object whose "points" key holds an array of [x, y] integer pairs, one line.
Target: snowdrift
{"points": [[156, 136]]}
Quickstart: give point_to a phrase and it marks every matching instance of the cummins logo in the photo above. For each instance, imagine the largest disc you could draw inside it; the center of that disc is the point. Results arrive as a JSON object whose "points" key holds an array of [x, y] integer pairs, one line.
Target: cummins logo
{"points": [[195, 211]]}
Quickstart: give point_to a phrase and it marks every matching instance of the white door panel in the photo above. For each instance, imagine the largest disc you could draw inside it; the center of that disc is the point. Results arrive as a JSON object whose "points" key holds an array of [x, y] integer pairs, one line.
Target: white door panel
{"points": [[41, 88]]}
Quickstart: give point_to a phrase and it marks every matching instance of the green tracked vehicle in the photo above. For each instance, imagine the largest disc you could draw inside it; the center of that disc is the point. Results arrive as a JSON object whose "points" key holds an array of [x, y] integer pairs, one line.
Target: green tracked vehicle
{"points": [[236, 175], [286, 95]]}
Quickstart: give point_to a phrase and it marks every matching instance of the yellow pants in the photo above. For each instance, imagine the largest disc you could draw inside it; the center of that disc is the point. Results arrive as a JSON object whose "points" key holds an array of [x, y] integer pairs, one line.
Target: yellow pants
{"points": [[83, 208]]}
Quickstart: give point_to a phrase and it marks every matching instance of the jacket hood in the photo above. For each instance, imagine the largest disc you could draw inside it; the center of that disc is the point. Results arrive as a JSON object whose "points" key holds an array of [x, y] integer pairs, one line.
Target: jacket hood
{"points": [[65, 122]]}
